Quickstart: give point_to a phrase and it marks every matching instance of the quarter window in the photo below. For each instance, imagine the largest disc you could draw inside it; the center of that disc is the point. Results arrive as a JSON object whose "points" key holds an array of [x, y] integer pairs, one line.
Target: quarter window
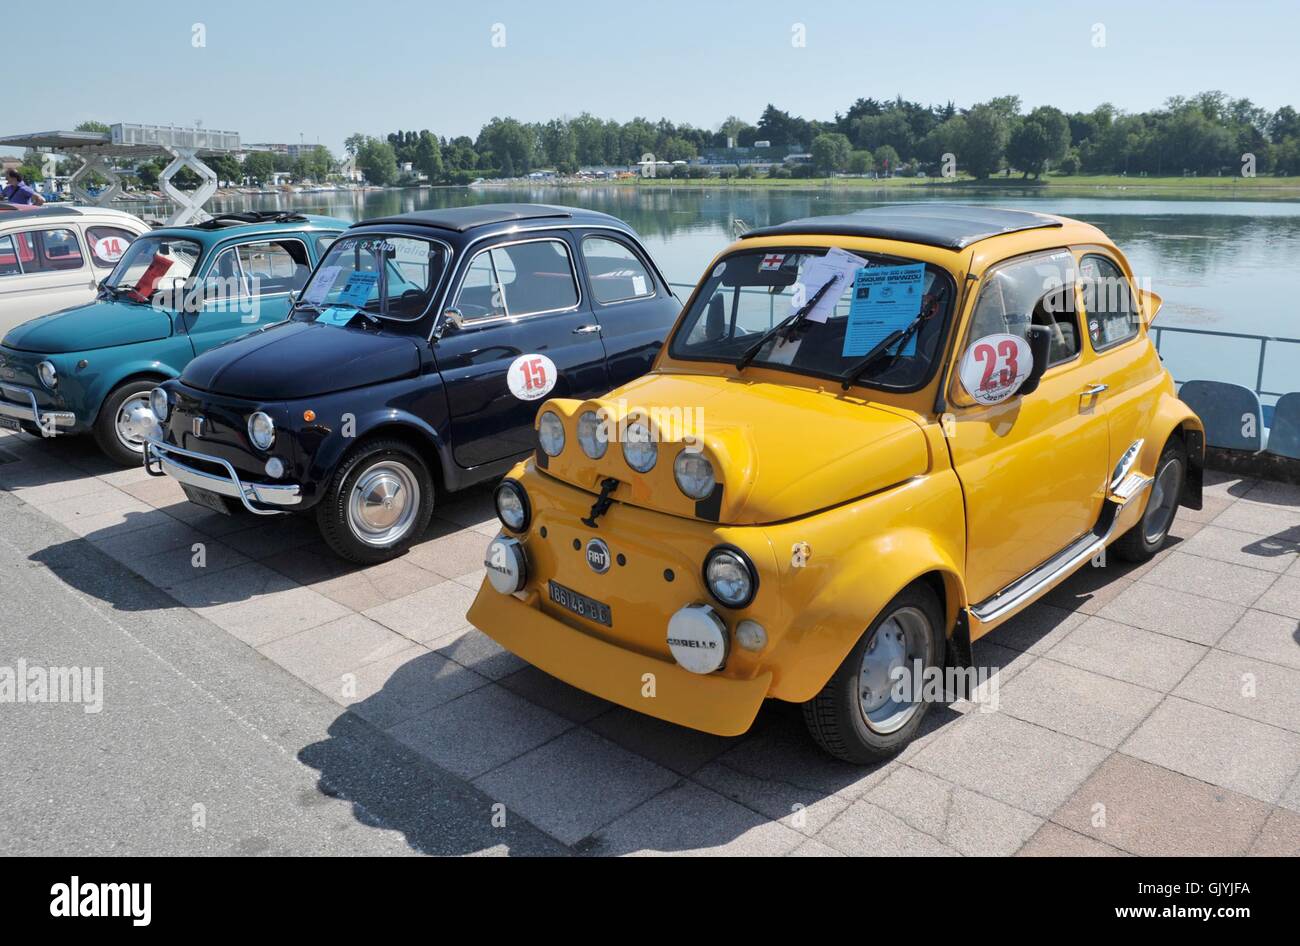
{"points": [[108, 244], [48, 251], [519, 279], [1036, 290], [9, 258], [616, 273], [1112, 311]]}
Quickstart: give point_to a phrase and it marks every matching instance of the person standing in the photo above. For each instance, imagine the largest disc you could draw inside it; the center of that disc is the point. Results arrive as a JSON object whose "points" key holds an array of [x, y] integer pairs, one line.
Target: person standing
{"points": [[16, 192]]}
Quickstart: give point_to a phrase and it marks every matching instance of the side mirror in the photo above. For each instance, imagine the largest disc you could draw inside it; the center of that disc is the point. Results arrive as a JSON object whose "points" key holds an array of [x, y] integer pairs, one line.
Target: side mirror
{"points": [[451, 320], [1040, 346]]}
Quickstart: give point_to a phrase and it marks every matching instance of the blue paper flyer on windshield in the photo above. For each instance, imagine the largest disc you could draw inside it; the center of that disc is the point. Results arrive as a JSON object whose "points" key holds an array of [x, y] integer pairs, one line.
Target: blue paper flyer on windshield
{"points": [[884, 299]]}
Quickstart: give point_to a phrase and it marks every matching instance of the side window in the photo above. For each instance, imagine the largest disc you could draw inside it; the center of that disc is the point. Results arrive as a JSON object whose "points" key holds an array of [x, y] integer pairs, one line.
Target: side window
{"points": [[1036, 290], [274, 266], [48, 251], [107, 244], [616, 273], [1111, 309], [479, 296], [9, 258], [323, 243]]}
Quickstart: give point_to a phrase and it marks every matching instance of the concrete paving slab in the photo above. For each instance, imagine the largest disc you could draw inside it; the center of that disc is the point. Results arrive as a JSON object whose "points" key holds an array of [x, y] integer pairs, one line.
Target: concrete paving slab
{"points": [[1036, 629], [1176, 614], [1246, 686], [450, 555], [428, 614], [1206, 577], [674, 747], [1144, 658], [1265, 635], [865, 830], [544, 690], [1282, 597], [404, 684], [798, 808], [322, 653], [1267, 553], [1280, 836], [1077, 702], [1051, 840], [471, 648], [274, 616]]}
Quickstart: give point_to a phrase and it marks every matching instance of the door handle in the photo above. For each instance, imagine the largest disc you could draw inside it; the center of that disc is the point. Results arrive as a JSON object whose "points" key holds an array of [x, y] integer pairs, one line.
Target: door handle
{"points": [[586, 330], [1094, 390]]}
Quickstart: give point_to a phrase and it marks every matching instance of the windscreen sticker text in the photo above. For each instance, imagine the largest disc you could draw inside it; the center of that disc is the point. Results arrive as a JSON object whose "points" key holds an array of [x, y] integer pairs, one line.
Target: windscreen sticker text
{"points": [[884, 299]]}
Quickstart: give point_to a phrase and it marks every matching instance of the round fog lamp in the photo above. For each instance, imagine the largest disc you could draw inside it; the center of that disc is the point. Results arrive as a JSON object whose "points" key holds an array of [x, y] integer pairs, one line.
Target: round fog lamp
{"points": [[158, 404], [694, 474], [506, 567], [697, 638], [591, 437], [275, 468], [550, 434], [729, 577], [261, 430]]}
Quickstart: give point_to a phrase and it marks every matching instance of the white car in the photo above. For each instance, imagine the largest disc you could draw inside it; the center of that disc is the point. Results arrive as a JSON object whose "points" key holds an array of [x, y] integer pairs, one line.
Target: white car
{"points": [[53, 257]]}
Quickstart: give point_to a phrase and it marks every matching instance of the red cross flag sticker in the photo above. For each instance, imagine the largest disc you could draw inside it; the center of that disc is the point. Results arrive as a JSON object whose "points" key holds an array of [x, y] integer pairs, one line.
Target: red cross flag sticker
{"points": [[771, 261]]}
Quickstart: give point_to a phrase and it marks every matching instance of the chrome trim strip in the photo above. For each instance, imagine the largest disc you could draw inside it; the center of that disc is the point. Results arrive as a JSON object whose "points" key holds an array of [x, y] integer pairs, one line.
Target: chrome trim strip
{"points": [[1026, 589], [30, 411], [271, 494]]}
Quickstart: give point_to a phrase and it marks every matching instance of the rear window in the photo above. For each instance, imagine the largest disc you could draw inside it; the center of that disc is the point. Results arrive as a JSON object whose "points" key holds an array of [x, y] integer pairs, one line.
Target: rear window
{"points": [[108, 244]]}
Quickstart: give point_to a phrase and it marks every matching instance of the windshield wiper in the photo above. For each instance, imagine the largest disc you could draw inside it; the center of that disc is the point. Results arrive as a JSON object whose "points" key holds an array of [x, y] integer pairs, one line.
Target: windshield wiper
{"points": [[789, 322], [870, 358]]}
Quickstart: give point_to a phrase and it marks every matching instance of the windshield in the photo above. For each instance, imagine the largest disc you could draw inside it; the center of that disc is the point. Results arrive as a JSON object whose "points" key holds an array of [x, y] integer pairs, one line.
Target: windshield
{"points": [[151, 264], [844, 305], [392, 276]]}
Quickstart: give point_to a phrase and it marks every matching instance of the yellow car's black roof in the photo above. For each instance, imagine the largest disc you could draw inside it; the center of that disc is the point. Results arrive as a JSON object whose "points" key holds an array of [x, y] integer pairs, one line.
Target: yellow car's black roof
{"points": [[951, 226]]}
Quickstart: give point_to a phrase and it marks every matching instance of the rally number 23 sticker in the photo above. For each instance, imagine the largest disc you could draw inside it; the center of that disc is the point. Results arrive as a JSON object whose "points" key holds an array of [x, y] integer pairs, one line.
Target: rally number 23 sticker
{"points": [[995, 366], [531, 377]]}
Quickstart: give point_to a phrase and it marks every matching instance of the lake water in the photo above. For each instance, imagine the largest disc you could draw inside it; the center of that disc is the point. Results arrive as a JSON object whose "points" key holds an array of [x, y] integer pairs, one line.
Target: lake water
{"points": [[1224, 265]]}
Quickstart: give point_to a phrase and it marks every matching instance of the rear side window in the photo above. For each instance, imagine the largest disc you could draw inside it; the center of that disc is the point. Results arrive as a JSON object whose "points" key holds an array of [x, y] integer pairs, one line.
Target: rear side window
{"points": [[9, 258], [107, 244], [48, 251], [1035, 290], [1112, 311], [616, 273]]}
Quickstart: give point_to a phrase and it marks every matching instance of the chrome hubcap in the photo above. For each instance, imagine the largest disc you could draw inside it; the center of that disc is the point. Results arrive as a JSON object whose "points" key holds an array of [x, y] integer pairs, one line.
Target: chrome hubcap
{"points": [[134, 421], [383, 503], [1163, 502], [898, 642]]}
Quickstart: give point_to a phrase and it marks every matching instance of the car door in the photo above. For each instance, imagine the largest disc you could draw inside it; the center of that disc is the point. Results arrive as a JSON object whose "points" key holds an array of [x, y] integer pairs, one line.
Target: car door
{"points": [[247, 286], [633, 307], [527, 334], [51, 273], [1032, 467]]}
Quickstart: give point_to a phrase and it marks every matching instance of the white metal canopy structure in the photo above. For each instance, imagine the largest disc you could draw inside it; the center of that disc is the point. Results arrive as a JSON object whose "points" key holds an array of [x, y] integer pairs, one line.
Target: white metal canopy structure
{"points": [[98, 150]]}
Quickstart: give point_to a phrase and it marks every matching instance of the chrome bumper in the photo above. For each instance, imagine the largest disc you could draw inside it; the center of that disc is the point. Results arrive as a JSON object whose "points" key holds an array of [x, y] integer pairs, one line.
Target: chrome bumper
{"points": [[48, 421], [268, 494]]}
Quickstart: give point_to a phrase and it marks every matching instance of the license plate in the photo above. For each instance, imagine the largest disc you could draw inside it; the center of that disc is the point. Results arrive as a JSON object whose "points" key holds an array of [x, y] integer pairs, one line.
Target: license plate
{"points": [[581, 605], [10, 423], [206, 498]]}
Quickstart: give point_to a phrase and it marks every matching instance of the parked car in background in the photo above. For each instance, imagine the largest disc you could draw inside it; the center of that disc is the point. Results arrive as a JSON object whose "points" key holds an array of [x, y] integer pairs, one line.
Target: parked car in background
{"points": [[174, 293], [414, 361], [916, 421], [53, 257]]}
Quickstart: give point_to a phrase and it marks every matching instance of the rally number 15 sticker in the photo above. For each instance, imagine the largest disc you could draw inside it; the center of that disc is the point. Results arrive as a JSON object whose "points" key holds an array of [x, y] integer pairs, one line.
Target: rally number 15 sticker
{"points": [[531, 377], [994, 367]]}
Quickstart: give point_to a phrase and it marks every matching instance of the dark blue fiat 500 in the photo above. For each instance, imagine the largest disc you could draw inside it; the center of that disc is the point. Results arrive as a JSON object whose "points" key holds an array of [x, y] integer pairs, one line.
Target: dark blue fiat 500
{"points": [[413, 361]]}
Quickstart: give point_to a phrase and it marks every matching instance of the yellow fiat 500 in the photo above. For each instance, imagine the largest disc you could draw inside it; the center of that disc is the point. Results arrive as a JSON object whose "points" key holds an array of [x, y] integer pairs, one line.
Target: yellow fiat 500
{"points": [[869, 440]]}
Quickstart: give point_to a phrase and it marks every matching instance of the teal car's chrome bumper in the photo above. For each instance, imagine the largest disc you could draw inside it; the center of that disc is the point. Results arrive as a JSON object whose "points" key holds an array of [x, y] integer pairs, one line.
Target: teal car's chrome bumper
{"points": [[164, 456], [20, 404]]}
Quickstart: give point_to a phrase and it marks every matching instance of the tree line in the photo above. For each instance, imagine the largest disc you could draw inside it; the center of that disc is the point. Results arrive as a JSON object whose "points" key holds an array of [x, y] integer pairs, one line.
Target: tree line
{"points": [[1205, 134]]}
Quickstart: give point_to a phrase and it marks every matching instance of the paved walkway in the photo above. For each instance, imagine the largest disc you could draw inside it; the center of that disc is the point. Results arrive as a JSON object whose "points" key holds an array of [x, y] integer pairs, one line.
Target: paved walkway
{"points": [[1149, 710]]}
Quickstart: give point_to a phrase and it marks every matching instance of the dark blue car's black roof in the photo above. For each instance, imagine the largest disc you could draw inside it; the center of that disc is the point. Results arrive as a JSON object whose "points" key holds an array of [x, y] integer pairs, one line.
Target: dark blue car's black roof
{"points": [[951, 226], [461, 219]]}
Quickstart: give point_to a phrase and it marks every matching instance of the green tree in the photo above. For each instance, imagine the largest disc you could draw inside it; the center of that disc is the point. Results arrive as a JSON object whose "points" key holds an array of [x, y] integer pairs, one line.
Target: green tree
{"points": [[428, 156], [378, 162], [886, 160], [985, 140], [352, 144], [100, 127], [861, 162], [830, 153], [259, 165], [1039, 139]]}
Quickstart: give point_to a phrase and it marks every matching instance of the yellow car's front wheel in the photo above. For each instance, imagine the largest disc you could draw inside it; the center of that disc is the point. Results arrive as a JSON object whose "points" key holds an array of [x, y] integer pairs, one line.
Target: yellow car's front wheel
{"points": [[864, 713]]}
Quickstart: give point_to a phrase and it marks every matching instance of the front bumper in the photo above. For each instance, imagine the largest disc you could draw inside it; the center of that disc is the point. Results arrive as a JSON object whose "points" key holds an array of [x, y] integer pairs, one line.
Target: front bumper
{"points": [[165, 457], [711, 703], [20, 404]]}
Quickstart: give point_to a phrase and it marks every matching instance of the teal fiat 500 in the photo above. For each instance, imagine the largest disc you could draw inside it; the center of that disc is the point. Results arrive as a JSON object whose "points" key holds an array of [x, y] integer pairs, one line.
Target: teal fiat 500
{"points": [[175, 293]]}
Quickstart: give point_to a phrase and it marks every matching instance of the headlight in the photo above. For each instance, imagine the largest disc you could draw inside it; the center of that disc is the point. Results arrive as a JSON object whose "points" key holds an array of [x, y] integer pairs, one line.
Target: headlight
{"points": [[639, 449], [158, 404], [694, 474], [49, 377], [591, 435], [512, 506], [261, 430], [550, 434], [730, 577]]}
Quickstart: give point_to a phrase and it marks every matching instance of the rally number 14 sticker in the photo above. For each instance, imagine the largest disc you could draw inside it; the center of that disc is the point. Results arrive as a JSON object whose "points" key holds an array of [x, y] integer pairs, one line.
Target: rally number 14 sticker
{"points": [[531, 377], [995, 366]]}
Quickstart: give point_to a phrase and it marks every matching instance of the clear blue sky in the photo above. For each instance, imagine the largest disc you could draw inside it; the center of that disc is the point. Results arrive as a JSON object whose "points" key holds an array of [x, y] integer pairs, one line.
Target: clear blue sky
{"points": [[273, 71]]}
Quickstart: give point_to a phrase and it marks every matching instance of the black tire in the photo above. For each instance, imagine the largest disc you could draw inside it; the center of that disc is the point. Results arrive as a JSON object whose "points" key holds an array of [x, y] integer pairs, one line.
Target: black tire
{"points": [[332, 512], [835, 716], [1149, 536], [105, 424]]}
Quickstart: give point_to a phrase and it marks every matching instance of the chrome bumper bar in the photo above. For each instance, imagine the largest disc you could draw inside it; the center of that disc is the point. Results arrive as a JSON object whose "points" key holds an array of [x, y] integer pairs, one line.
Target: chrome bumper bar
{"points": [[47, 421], [268, 494]]}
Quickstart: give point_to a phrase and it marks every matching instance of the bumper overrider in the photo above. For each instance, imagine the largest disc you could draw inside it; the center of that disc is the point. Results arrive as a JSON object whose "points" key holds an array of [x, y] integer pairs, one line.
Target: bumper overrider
{"points": [[217, 475], [20, 404]]}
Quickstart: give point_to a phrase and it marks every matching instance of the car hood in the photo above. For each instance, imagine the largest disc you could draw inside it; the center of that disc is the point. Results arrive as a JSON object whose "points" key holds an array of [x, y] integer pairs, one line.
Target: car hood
{"points": [[778, 451], [291, 360], [101, 324]]}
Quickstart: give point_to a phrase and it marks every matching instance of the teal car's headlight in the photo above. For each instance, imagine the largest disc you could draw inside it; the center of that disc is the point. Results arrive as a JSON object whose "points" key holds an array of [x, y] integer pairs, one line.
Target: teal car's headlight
{"points": [[48, 375], [158, 404]]}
